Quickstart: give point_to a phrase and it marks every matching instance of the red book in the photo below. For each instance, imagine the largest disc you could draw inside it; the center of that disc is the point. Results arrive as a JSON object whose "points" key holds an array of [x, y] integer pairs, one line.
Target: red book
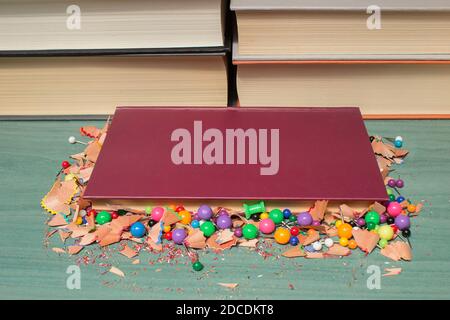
{"points": [[160, 155]]}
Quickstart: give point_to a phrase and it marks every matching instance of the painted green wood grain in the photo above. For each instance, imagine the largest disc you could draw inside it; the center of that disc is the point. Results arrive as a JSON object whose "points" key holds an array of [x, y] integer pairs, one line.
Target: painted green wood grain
{"points": [[31, 151]]}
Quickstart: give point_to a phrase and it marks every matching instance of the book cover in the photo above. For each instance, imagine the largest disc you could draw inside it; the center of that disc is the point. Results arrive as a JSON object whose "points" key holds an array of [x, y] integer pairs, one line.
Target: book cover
{"points": [[234, 153]]}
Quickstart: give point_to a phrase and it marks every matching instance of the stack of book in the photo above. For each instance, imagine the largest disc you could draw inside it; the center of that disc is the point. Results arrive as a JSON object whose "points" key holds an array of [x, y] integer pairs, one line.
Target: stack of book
{"points": [[60, 58], [392, 59]]}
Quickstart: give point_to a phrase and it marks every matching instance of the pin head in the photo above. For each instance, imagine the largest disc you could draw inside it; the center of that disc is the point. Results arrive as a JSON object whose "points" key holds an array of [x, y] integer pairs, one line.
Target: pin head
{"points": [[250, 231], [178, 235], [385, 232], [282, 235], [304, 219], [328, 242], [168, 235], [293, 241], [103, 217], [406, 233], [295, 231], [392, 183], [276, 215], [361, 222], [372, 216], [263, 216], [287, 213], [92, 212], [208, 228], [399, 183], [195, 224], [402, 222], [411, 208], [317, 245], [382, 243], [343, 242], [394, 209], [238, 232], [79, 220], [197, 266], [316, 223], [345, 231], [266, 226], [204, 212], [157, 213], [72, 140], [65, 164], [185, 216], [371, 226], [224, 221], [137, 229], [398, 144], [352, 244]]}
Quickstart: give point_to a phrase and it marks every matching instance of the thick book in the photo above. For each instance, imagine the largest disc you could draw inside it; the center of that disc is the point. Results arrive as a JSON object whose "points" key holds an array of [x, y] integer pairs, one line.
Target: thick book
{"points": [[61, 27], [382, 89], [91, 86], [342, 30], [229, 156]]}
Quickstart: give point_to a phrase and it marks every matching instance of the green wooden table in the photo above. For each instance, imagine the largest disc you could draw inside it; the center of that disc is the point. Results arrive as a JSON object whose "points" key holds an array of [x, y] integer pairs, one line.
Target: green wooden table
{"points": [[31, 152]]}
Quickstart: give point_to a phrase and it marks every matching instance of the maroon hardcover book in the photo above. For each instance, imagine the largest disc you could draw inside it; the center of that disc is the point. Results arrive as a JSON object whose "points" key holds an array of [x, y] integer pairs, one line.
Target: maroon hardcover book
{"points": [[237, 153]]}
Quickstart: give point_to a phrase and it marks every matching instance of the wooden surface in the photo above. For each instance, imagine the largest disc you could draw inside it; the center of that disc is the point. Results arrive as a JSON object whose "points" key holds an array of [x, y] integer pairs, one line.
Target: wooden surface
{"points": [[31, 151]]}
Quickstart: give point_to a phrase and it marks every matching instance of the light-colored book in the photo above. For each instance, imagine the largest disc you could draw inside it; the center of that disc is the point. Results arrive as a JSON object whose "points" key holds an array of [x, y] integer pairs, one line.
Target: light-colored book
{"points": [[379, 89], [40, 86], [27, 25], [338, 30]]}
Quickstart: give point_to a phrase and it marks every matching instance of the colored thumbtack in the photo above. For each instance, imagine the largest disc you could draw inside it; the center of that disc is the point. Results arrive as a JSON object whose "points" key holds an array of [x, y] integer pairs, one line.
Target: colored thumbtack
{"points": [[73, 140], [196, 265], [328, 242], [393, 140], [405, 234], [65, 164], [317, 245], [254, 208], [394, 184], [293, 230]]}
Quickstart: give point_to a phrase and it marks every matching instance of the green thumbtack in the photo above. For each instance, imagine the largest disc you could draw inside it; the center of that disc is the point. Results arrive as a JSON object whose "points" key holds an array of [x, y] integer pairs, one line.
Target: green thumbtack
{"points": [[197, 266], [103, 217], [122, 212], [250, 231], [276, 215], [254, 208]]}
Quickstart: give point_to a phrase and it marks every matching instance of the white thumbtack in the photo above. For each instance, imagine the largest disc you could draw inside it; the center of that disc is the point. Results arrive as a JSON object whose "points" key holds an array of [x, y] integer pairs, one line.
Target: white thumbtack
{"points": [[73, 140], [328, 242]]}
